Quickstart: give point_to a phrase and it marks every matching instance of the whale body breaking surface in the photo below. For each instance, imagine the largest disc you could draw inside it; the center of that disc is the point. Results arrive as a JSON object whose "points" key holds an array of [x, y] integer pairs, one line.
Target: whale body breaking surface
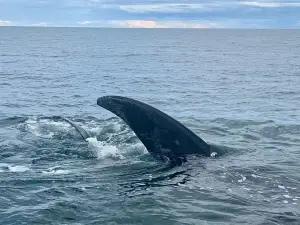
{"points": [[162, 135]]}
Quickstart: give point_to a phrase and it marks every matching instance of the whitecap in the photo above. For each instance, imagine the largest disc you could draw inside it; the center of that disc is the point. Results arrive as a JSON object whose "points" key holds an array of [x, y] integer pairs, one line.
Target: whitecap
{"points": [[256, 176], [34, 127], [17, 169], [287, 196], [242, 180], [56, 172], [104, 150], [213, 154]]}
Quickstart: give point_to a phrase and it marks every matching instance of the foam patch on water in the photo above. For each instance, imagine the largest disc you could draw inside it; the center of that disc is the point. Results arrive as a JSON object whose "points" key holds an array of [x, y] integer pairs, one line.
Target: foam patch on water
{"points": [[213, 154], [113, 127], [33, 127], [242, 179], [56, 170], [60, 124], [18, 168], [94, 128], [103, 150], [13, 168], [41, 128], [140, 147]]}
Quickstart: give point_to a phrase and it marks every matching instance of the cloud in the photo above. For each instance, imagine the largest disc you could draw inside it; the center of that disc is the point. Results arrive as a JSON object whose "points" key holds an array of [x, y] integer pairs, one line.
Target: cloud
{"points": [[5, 22], [149, 24], [84, 22], [95, 23], [203, 6], [173, 7], [162, 24], [41, 24], [160, 7], [138, 23], [271, 4]]}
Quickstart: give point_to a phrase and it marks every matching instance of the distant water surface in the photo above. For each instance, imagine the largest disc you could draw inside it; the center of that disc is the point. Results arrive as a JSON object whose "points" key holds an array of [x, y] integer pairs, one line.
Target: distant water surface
{"points": [[235, 88]]}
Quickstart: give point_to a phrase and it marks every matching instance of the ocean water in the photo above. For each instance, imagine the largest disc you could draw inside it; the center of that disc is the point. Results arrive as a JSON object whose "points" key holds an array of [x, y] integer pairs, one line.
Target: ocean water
{"points": [[234, 88]]}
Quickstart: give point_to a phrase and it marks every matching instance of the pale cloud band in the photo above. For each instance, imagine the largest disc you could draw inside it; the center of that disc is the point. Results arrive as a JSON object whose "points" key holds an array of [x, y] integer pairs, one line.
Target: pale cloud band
{"points": [[271, 4], [163, 24], [206, 6], [165, 8], [41, 24], [84, 22], [5, 22], [149, 24]]}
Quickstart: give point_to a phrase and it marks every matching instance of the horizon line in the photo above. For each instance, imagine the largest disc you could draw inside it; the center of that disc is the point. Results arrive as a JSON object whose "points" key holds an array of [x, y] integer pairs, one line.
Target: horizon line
{"points": [[158, 28]]}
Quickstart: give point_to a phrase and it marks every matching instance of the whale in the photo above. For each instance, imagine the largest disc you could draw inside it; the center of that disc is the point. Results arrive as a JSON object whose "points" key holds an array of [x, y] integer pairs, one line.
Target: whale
{"points": [[83, 133], [163, 136]]}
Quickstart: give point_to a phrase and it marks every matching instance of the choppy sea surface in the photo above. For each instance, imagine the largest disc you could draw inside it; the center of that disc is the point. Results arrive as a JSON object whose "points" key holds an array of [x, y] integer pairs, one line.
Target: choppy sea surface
{"points": [[234, 88]]}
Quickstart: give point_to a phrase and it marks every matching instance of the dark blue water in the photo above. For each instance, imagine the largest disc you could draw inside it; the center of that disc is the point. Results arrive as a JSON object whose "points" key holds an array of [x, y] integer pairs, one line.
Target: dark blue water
{"points": [[235, 88]]}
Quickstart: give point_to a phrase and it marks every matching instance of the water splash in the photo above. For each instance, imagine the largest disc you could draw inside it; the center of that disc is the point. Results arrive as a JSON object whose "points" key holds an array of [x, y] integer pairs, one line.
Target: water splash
{"points": [[104, 150]]}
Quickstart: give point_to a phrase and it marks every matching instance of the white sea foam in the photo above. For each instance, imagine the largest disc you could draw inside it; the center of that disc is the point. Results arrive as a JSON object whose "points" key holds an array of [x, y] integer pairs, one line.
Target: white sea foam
{"points": [[139, 147], [242, 179], [56, 172], [46, 128], [18, 169], [113, 127], [103, 150], [256, 176], [213, 154], [32, 126], [5, 167], [287, 196]]}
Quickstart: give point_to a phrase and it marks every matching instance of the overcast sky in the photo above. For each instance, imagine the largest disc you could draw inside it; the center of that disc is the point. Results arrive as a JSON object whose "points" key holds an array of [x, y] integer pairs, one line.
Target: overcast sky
{"points": [[152, 13]]}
